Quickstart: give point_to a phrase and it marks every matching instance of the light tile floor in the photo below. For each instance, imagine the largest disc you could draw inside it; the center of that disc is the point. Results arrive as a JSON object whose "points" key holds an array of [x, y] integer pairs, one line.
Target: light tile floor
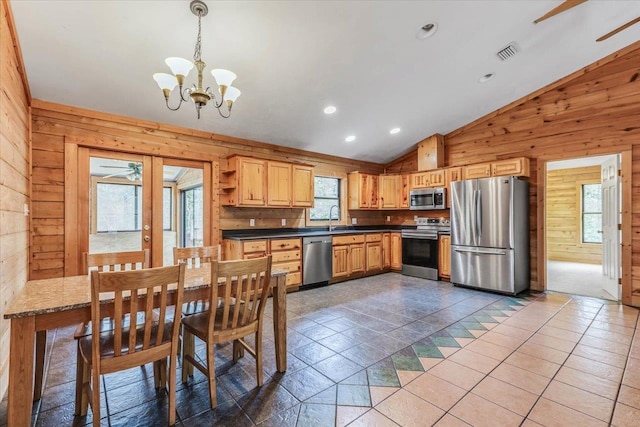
{"points": [[393, 350]]}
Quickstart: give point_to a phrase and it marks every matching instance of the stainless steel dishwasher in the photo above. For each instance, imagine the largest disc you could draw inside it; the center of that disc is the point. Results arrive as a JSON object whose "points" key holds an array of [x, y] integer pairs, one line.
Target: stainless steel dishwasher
{"points": [[316, 259]]}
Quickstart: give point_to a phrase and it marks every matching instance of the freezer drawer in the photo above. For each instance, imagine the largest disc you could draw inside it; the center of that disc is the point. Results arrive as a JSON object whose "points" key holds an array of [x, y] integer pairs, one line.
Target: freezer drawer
{"points": [[484, 268]]}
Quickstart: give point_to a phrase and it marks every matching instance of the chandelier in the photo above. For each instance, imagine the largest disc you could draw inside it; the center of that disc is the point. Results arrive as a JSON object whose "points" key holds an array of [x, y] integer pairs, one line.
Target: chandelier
{"points": [[180, 68]]}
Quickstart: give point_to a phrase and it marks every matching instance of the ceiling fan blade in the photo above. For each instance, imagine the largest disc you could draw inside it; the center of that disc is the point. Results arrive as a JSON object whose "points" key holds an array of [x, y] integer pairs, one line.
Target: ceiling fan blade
{"points": [[566, 5], [123, 173], [620, 28], [116, 167]]}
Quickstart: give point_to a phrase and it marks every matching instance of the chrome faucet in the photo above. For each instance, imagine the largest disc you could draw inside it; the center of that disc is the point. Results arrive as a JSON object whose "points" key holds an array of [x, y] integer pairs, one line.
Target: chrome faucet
{"points": [[331, 216]]}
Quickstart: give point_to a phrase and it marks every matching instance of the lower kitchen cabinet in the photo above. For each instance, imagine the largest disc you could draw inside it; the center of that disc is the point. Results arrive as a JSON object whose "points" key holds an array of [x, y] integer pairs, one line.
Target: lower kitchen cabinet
{"points": [[444, 257], [286, 255], [348, 255], [386, 251], [374, 251], [396, 251]]}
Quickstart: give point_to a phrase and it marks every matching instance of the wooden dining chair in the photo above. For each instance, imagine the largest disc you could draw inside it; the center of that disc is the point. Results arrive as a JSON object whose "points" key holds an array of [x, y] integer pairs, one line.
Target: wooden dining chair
{"points": [[112, 261], [130, 343], [193, 257], [248, 283]]}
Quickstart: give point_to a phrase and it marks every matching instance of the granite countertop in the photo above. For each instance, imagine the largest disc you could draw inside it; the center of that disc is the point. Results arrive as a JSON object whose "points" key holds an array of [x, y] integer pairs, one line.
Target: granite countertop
{"points": [[302, 232]]}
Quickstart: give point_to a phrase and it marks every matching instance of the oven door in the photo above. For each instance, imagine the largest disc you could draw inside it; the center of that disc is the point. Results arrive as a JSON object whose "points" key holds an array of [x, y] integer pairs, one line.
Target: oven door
{"points": [[420, 255]]}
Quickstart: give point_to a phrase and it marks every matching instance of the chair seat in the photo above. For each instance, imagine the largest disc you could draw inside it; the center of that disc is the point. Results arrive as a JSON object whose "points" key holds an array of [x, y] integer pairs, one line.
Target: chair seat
{"points": [[198, 324], [107, 341]]}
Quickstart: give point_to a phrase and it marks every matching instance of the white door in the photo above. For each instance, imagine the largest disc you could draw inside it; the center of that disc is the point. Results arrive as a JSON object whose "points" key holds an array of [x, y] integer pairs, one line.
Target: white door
{"points": [[610, 221]]}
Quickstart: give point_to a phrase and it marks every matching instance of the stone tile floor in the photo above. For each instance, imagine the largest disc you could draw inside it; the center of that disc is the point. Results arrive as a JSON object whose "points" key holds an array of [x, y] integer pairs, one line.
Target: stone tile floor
{"points": [[393, 350]]}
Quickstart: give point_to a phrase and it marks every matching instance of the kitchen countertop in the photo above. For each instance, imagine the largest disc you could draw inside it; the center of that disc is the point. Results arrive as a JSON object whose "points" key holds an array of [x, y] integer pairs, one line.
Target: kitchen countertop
{"points": [[301, 232]]}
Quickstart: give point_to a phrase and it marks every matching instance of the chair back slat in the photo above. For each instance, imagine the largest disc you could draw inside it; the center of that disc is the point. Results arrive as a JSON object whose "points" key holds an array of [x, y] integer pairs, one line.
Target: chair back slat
{"points": [[195, 256], [246, 285], [136, 292], [117, 261]]}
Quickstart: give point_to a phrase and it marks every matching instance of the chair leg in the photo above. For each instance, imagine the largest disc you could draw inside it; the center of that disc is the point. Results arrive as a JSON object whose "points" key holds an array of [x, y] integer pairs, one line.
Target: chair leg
{"points": [[211, 370], [79, 380], [187, 348], [95, 398], [171, 387], [258, 348], [84, 388]]}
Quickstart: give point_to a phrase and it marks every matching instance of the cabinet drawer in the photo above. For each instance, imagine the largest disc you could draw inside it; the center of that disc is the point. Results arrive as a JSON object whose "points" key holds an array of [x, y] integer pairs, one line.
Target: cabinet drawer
{"points": [[284, 245], [294, 279], [347, 240], [291, 267], [255, 246], [373, 237], [285, 256], [252, 255]]}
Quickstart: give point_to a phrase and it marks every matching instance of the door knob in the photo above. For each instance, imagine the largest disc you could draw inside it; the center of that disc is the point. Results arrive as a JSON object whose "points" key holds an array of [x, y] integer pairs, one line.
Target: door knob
{"points": [[147, 238]]}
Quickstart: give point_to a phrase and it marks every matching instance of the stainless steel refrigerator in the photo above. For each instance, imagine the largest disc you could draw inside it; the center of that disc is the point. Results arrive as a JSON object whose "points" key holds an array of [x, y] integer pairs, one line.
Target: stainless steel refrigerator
{"points": [[490, 234]]}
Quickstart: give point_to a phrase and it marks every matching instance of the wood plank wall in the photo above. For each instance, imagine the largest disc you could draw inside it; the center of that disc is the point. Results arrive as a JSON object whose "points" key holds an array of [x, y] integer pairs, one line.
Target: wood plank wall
{"points": [[14, 179], [591, 112], [53, 124], [563, 200]]}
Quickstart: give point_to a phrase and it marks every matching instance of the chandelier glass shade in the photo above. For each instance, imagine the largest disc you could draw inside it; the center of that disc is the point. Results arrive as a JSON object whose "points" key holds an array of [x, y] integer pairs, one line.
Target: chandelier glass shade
{"points": [[200, 96]]}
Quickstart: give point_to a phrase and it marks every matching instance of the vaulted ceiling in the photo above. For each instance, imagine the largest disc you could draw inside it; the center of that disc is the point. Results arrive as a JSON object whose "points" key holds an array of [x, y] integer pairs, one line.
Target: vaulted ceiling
{"points": [[294, 58]]}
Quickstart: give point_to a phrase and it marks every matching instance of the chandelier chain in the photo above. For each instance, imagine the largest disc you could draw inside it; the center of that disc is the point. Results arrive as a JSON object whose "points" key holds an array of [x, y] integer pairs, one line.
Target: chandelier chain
{"points": [[198, 49]]}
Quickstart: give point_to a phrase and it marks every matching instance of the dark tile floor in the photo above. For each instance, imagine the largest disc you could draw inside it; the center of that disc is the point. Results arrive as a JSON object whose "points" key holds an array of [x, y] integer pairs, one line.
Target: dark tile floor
{"points": [[346, 343]]}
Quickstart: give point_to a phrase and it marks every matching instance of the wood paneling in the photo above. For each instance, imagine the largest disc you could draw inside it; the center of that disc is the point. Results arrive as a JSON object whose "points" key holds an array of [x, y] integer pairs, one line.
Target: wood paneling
{"points": [[563, 200], [15, 168]]}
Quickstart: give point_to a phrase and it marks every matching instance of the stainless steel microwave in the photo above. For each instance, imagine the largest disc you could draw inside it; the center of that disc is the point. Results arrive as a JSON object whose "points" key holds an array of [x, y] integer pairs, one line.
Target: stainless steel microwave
{"points": [[427, 198]]}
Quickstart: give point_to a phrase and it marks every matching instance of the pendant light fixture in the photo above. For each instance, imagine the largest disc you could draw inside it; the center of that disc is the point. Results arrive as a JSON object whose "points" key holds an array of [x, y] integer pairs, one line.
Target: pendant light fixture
{"points": [[181, 67]]}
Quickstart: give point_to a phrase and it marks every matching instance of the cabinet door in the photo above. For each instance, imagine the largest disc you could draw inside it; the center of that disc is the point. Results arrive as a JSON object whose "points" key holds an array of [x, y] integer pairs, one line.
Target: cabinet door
{"points": [[431, 153], [451, 175], [302, 186], [389, 191], [374, 256], [396, 251], [420, 180], [386, 250], [357, 258], [278, 184], [444, 261], [363, 192], [404, 191], [374, 202], [481, 170], [252, 182], [516, 167], [436, 178], [340, 261]]}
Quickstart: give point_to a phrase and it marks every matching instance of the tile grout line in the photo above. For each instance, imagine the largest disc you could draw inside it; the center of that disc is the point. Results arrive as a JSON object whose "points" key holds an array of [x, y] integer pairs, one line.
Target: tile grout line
{"points": [[624, 370]]}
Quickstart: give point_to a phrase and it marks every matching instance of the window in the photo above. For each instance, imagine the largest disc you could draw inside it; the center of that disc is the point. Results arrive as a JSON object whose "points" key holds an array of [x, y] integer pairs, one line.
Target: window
{"points": [[327, 194], [591, 213], [167, 208], [192, 214], [118, 207]]}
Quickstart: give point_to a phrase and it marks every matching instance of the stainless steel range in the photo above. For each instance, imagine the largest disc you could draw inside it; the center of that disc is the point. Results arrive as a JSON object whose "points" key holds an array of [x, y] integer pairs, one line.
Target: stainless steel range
{"points": [[420, 247]]}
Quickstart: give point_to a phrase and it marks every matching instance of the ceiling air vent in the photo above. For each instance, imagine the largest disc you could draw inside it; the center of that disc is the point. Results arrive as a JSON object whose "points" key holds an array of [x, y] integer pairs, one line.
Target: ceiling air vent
{"points": [[507, 52]]}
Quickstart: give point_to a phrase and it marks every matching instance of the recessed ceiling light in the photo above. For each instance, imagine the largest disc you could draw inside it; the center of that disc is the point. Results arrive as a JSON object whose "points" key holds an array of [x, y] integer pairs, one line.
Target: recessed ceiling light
{"points": [[486, 78], [427, 30], [330, 109], [394, 131], [350, 138]]}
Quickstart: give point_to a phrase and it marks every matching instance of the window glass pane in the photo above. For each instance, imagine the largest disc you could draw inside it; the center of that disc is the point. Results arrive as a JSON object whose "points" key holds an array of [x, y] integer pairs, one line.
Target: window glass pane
{"points": [[326, 187], [192, 225], [167, 204], [117, 207], [591, 227], [591, 198], [327, 194]]}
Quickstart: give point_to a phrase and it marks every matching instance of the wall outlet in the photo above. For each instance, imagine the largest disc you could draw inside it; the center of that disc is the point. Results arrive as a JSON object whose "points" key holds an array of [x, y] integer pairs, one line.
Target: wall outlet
{"points": [[252, 222], [354, 221], [388, 218], [415, 217], [283, 222]]}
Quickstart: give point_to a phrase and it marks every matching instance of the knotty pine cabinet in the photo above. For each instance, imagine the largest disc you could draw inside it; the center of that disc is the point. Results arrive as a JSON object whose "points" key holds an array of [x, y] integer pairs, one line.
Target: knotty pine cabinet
{"points": [[431, 153], [362, 189], [386, 251], [251, 182], [348, 255], [451, 175], [396, 251], [516, 167], [373, 247], [389, 191], [428, 179], [444, 256]]}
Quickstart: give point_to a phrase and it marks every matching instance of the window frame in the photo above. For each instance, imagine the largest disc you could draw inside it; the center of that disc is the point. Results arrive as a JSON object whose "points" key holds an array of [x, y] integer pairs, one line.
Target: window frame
{"points": [[582, 212], [182, 223], [342, 197]]}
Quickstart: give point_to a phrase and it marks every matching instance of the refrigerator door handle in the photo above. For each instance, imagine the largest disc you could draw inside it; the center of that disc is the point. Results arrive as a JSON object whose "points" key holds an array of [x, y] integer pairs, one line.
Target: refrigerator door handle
{"points": [[462, 251], [478, 214]]}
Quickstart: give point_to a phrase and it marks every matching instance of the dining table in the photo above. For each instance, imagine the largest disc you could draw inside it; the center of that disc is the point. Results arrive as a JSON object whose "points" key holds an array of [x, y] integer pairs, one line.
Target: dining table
{"points": [[47, 304]]}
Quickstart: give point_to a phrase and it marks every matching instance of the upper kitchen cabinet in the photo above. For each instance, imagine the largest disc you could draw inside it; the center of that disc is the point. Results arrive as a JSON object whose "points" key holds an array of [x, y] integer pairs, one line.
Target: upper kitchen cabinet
{"points": [[389, 191], [431, 153], [451, 175], [363, 190], [251, 182], [516, 167], [405, 186], [303, 180], [433, 178]]}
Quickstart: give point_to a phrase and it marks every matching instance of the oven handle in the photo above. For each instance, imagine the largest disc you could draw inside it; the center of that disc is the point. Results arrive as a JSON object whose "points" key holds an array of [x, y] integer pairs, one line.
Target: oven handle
{"points": [[420, 236], [462, 251]]}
